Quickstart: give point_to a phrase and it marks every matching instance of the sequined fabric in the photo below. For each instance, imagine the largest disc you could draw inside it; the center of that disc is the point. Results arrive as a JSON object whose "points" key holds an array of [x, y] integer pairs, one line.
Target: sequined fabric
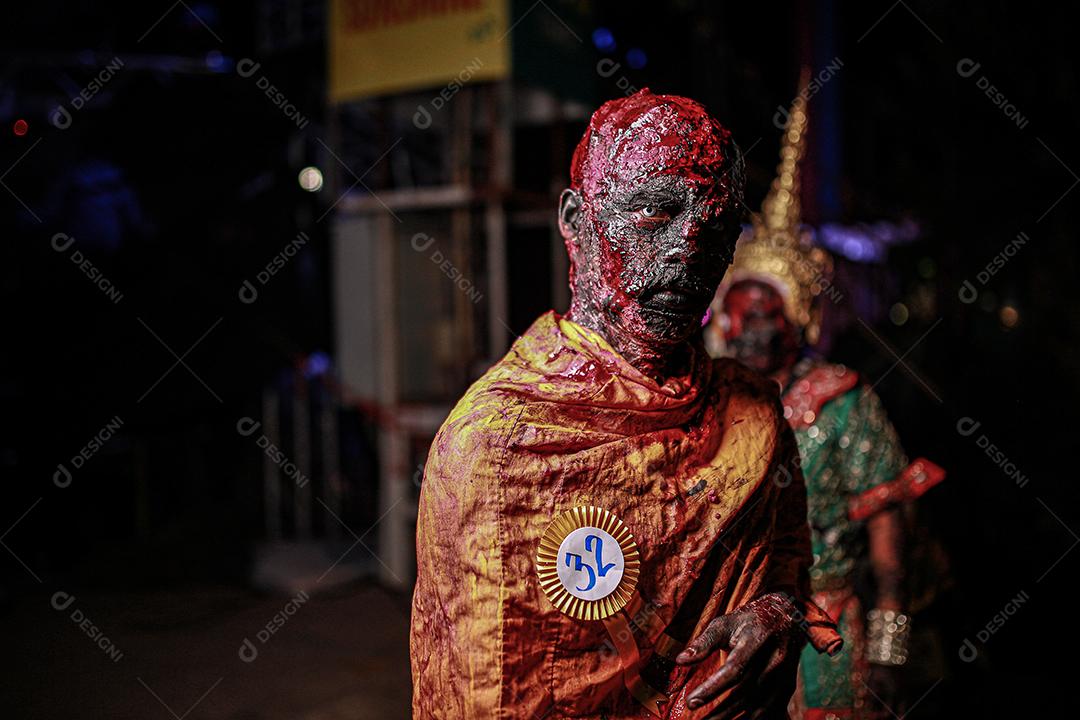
{"points": [[848, 447], [562, 421]]}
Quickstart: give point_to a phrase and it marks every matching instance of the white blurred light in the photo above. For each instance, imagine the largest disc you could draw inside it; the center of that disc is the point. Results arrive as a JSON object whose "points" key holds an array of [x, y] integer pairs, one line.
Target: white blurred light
{"points": [[310, 179]]}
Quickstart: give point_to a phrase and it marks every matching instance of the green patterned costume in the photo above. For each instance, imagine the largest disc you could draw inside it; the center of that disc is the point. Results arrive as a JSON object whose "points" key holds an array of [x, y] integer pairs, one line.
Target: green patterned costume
{"points": [[847, 446]]}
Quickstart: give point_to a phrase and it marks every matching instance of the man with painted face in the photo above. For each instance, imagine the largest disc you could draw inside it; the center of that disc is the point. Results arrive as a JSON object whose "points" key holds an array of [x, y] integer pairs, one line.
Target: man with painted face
{"points": [[766, 315], [612, 524]]}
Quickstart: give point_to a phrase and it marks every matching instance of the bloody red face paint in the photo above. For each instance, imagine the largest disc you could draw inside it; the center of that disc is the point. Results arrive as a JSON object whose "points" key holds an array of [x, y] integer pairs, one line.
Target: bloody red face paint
{"points": [[650, 221], [756, 329]]}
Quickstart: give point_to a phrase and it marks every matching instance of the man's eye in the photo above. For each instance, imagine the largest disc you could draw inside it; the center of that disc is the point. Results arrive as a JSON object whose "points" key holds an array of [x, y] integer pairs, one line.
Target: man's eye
{"points": [[653, 212]]}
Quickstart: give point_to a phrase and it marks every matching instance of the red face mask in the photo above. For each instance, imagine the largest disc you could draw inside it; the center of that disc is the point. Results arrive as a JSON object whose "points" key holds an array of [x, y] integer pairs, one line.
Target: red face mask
{"points": [[758, 330]]}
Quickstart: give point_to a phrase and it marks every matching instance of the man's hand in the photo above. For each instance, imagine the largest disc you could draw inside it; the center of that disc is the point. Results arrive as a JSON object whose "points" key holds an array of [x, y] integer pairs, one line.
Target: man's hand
{"points": [[763, 645]]}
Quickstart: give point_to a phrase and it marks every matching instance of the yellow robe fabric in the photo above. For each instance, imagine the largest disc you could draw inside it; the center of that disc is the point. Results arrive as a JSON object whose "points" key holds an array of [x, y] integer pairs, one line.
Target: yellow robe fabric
{"points": [[702, 469]]}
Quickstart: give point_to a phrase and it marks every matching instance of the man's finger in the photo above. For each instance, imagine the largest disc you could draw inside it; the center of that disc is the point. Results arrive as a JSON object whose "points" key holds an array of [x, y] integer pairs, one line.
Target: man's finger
{"points": [[716, 634], [764, 698], [731, 672]]}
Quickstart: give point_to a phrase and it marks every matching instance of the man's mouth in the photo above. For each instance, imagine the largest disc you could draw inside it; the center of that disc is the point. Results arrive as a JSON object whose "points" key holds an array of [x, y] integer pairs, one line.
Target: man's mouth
{"points": [[675, 300]]}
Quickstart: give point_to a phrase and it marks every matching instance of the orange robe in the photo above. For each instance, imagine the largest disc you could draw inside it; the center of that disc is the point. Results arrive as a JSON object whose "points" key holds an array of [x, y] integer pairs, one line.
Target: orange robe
{"points": [[702, 469]]}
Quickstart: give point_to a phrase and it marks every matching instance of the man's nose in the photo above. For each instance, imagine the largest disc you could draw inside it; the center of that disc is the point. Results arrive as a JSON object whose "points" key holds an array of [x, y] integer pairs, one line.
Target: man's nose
{"points": [[682, 247], [676, 252]]}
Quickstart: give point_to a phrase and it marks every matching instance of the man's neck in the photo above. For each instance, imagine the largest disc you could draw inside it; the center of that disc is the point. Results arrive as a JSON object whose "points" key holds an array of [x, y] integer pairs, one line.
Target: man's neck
{"points": [[657, 362]]}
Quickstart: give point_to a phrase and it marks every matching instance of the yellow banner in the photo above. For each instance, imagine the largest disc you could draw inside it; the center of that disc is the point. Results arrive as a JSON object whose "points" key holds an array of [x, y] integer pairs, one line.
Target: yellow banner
{"points": [[379, 47]]}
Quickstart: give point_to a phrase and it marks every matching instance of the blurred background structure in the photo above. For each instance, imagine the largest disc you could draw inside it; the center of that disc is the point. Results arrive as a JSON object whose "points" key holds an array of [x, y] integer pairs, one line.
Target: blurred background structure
{"points": [[256, 251]]}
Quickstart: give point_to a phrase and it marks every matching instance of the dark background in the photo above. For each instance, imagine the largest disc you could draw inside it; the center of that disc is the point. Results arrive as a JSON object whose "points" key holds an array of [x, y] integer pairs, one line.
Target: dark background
{"points": [[178, 179]]}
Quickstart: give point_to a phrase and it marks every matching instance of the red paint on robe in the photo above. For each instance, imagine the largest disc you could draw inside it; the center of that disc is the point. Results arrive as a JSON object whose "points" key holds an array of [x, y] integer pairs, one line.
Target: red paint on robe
{"points": [[702, 469]]}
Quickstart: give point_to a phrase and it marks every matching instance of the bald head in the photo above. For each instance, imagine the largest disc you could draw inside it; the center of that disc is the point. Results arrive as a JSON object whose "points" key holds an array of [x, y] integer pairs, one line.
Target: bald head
{"points": [[631, 139]]}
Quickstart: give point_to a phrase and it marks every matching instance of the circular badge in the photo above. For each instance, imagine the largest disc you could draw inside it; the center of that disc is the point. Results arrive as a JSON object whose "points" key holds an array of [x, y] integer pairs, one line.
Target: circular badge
{"points": [[588, 563]]}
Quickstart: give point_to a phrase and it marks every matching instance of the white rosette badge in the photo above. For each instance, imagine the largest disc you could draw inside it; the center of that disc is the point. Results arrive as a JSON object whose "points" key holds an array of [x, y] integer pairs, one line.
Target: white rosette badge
{"points": [[588, 563]]}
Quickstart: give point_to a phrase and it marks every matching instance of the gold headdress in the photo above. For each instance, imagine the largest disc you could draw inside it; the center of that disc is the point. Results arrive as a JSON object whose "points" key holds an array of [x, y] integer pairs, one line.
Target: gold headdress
{"points": [[777, 252]]}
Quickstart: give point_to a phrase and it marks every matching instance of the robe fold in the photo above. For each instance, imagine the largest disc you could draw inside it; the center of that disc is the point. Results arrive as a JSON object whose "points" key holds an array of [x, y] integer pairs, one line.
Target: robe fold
{"points": [[702, 469]]}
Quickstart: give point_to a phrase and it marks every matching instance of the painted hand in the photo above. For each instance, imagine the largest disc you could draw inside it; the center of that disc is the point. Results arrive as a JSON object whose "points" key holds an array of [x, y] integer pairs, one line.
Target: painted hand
{"points": [[763, 642]]}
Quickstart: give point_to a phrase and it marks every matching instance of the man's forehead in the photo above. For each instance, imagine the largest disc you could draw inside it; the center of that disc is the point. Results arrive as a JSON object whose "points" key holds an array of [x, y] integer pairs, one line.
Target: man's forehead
{"points": [[664, 179], [664, 141], [634, 140]]}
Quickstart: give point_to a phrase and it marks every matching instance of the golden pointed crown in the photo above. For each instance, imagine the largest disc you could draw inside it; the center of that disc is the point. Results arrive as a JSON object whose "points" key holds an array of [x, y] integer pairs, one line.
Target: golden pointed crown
{"points": [[777, 251]]}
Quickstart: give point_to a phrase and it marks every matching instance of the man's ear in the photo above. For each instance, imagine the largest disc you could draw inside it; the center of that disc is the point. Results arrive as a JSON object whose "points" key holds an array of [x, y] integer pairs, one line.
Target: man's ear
{"points": [[569, 214]]}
